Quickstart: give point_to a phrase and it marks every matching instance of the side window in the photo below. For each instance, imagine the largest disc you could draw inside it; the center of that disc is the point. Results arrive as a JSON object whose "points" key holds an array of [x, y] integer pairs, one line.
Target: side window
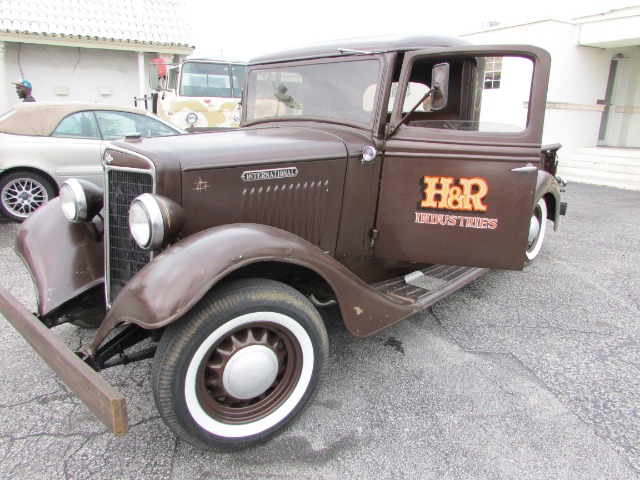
{"points": [[116, 125], [504, 106], [485, 94], [493, 73], [415, 92], [237, 76], [78, 125]]}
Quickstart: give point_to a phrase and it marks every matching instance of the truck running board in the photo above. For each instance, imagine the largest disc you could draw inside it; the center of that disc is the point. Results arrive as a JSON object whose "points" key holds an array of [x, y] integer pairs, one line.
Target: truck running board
{"points": [[425, 287]]}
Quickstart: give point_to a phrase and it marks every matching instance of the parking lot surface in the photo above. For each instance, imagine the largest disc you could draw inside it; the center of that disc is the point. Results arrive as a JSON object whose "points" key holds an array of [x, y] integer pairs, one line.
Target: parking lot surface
{"points": [[530, 374]]}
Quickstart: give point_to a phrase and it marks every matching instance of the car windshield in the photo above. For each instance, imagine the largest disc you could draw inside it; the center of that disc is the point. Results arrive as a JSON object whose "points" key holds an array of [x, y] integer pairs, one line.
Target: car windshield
{"points": [[342, 90], [201, 79]]}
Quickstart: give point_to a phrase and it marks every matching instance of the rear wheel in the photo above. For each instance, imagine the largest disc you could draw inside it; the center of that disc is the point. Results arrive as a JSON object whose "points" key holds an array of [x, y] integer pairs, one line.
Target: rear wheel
{"points": [[239, 366], [537, 230], [22, 193]]}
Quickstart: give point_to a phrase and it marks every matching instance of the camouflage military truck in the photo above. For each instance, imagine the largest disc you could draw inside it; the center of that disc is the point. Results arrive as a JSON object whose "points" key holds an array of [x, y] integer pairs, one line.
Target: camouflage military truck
{"points": [[379, 174], [199, 94]]}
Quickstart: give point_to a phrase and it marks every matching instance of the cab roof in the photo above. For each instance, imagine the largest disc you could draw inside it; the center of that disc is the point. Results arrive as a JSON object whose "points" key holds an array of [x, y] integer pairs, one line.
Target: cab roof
{"points": [[377, 44]]}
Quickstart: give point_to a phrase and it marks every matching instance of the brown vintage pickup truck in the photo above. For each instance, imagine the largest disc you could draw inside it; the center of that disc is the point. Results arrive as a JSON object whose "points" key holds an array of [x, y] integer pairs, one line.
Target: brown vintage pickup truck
{"points": [[381, 174]]}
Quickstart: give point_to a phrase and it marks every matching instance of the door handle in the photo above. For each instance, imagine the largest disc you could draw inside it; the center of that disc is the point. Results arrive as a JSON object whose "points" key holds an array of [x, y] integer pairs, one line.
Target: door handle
{"points": [[528, 169]]}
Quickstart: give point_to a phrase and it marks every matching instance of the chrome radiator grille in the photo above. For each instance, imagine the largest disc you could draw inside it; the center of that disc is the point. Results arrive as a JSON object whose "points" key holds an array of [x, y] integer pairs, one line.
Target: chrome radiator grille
{"points": [[124, 257]]}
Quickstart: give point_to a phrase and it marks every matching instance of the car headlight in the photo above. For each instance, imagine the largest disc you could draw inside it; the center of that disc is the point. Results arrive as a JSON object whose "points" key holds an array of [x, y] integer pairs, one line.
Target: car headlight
{"points": [[80, 200], [192, 118], [154, 221]]}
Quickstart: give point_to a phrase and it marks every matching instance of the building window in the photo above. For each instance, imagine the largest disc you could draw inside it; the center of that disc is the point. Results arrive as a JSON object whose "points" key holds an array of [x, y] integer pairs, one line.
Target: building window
{"points": [[492, 73]]}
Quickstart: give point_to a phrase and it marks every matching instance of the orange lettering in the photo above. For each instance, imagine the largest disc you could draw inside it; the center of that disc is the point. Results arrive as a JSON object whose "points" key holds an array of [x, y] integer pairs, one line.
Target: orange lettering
{"points": [[475, 189], [443, 193], [431, 190]]}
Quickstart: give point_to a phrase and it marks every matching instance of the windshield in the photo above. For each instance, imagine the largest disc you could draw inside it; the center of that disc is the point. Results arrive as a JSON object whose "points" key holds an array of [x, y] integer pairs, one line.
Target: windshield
{"points": [[339, 90], [201, 79]]}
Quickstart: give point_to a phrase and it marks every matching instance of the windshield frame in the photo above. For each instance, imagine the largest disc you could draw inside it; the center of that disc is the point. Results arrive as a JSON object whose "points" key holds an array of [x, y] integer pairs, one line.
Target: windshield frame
{"points": [[376, 100]]}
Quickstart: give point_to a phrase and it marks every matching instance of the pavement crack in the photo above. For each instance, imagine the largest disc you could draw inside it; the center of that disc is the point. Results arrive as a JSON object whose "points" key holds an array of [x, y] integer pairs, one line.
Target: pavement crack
{"points": [[68, 456], [51, 435], [615, 445], [153, 418], [40, 398], [174, 452]]}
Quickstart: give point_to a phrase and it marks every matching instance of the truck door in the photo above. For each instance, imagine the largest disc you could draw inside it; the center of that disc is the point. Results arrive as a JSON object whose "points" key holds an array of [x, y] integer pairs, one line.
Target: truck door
{"points": [[458, 180], [168, 95]]}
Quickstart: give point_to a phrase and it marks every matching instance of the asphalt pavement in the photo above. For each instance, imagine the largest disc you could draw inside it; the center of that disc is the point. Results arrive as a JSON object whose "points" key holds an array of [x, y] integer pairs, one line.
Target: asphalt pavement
{"points": [[530, 374]]}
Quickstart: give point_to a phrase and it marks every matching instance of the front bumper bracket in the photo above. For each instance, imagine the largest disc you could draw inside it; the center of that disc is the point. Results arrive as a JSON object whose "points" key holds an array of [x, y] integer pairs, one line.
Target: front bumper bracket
{"points": [[104, 401]]}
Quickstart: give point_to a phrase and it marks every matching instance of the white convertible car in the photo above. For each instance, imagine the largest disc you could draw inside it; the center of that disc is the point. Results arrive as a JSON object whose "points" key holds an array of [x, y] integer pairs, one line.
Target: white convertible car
{"points": [[42, 144]]}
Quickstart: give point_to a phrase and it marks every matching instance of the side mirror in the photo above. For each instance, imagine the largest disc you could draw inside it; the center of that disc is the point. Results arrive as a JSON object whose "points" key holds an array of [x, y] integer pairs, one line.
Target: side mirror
{"points": [[440, 85], [154, 80]]}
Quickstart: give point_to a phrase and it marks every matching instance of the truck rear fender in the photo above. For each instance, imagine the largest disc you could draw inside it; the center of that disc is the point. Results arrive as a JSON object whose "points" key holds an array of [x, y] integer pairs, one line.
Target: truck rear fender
{"points": [[547, 187], [174, 281]]}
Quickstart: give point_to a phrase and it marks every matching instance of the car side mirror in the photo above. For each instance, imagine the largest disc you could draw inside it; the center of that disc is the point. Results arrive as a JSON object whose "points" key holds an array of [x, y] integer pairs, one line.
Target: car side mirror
{"points": [[440, 86]]}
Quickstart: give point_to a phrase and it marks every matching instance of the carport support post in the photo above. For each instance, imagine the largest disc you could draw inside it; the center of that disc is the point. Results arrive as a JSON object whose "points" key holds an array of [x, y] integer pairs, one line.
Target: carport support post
{"points": [[141, 76], [4, 102]]}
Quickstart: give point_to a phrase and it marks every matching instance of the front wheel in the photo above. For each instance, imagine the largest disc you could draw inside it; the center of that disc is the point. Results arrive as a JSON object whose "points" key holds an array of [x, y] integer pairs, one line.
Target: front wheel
{"points": [[537, 230], [240, 365], [22, 193]]}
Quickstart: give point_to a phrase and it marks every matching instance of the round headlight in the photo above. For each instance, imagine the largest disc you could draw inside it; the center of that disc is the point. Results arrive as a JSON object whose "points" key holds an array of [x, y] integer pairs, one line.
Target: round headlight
{"points": [[80, 200], [145, 222], [73, 202], [192, 118]]}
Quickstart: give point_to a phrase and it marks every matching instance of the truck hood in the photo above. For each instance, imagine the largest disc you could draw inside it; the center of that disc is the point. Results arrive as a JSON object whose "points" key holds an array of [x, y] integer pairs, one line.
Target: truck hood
{"points": [[250, 146]]}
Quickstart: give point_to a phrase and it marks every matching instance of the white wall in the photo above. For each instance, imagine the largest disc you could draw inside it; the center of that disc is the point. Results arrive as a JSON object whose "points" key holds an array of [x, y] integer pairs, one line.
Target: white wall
{"points": [[85, 72], [578, 80], [625, 122]]}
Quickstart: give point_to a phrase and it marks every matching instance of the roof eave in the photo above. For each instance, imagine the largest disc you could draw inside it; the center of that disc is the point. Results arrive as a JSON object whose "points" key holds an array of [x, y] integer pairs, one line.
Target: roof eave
{"points": [[95, 42]]}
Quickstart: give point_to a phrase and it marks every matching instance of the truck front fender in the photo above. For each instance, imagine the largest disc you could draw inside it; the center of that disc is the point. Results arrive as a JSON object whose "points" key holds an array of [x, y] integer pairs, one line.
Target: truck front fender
{"points": [[173, 282], [65, 259]]}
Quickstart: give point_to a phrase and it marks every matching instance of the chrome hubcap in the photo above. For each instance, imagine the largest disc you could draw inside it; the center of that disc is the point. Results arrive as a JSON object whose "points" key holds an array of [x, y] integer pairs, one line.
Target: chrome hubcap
{"points": [[250, 372]]}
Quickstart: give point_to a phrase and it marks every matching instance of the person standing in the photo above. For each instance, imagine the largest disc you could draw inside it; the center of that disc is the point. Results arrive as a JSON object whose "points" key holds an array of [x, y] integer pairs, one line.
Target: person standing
{"points": [[162, 68], [23, 89]]}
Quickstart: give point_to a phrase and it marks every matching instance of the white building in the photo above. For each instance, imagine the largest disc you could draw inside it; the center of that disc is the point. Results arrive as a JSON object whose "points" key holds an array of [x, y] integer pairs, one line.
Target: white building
{"points": [[593, 104], [87, 50]]}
